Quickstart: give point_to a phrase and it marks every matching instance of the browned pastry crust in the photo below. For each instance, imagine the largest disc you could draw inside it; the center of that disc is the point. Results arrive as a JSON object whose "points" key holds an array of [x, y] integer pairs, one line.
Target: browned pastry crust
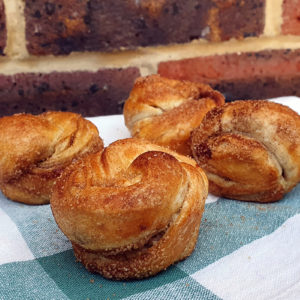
{"points": [[250, 150], [35, 149], [132, 210], [165, 111]]}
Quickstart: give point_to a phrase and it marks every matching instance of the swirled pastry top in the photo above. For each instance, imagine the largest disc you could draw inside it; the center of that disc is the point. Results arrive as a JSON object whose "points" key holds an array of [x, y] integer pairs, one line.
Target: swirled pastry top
{"points": [[123, 200], [250, 150], [35, 149], [165, 111]]}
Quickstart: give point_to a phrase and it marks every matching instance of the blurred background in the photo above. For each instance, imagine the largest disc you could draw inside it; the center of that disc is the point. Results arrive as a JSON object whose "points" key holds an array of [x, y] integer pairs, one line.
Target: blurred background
{"points": [[84, 55]]}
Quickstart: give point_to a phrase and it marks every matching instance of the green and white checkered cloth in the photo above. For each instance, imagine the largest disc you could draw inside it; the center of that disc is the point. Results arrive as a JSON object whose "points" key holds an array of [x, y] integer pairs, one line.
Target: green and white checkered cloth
{"points": [[244, 251]]}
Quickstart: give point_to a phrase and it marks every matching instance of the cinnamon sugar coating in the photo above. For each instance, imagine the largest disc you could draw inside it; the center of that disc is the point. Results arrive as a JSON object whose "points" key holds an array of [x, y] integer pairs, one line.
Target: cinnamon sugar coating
{"points": [[34, 150], [165, 111], [132, 210], [250, 150]]}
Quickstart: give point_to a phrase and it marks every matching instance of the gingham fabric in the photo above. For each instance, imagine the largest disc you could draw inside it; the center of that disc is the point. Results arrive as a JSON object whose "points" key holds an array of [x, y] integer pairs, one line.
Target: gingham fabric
{"points": [[244, 251]]}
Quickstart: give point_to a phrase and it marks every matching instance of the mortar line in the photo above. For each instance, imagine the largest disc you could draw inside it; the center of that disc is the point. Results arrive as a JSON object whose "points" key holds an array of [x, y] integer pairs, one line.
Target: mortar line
{"points": [[15, 26], [273, 17]]}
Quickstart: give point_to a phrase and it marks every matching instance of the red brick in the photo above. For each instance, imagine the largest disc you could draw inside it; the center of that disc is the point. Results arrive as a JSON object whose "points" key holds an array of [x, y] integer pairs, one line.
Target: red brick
{"points": [[241, 76], [263, 87], [291, 17], [64, 26], [2, 28], [88, 93]]}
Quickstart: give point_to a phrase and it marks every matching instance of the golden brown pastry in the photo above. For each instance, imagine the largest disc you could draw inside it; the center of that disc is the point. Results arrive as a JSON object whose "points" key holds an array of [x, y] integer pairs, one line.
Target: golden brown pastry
{"points": [[35, 149], [165, 111], [250, 150], [132, 210]]}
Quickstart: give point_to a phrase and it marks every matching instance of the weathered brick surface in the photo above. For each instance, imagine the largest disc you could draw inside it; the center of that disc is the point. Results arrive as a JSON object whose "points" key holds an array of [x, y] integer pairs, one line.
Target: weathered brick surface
{"points": [[2, 28], [249, 75], [63, 26], [91, 94], [236, 19], [291, 17], [263, 87]]}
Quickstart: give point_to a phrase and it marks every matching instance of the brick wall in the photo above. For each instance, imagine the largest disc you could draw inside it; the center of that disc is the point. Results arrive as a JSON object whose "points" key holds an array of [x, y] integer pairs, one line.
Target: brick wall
{"points": [[84, 55]]}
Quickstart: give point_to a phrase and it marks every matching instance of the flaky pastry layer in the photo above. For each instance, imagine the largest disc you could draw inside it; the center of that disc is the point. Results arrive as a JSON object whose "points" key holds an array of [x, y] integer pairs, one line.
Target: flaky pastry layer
{"points": [[250, 150], [132, 210], [34, 150], [165, 111]]}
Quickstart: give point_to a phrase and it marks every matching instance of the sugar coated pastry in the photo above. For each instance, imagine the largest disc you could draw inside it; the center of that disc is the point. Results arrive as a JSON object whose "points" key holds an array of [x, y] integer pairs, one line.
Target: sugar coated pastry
{"points": [[34, 150], [132, 210], [165, 111], [250, 150]]}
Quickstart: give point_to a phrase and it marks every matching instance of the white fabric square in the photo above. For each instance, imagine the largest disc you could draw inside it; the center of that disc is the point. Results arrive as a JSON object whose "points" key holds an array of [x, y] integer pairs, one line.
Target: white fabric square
{"points": [[267, 268], [12, 245]]}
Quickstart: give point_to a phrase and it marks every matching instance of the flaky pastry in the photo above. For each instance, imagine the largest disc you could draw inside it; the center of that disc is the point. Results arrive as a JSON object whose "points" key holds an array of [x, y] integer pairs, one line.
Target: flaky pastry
{"points": [[250, 150], [34, 150], [165, 111], [132, 210]]}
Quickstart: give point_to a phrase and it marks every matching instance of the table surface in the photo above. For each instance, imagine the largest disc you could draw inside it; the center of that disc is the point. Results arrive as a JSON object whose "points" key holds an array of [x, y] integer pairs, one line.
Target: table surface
{"points": [[244, 251]]}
